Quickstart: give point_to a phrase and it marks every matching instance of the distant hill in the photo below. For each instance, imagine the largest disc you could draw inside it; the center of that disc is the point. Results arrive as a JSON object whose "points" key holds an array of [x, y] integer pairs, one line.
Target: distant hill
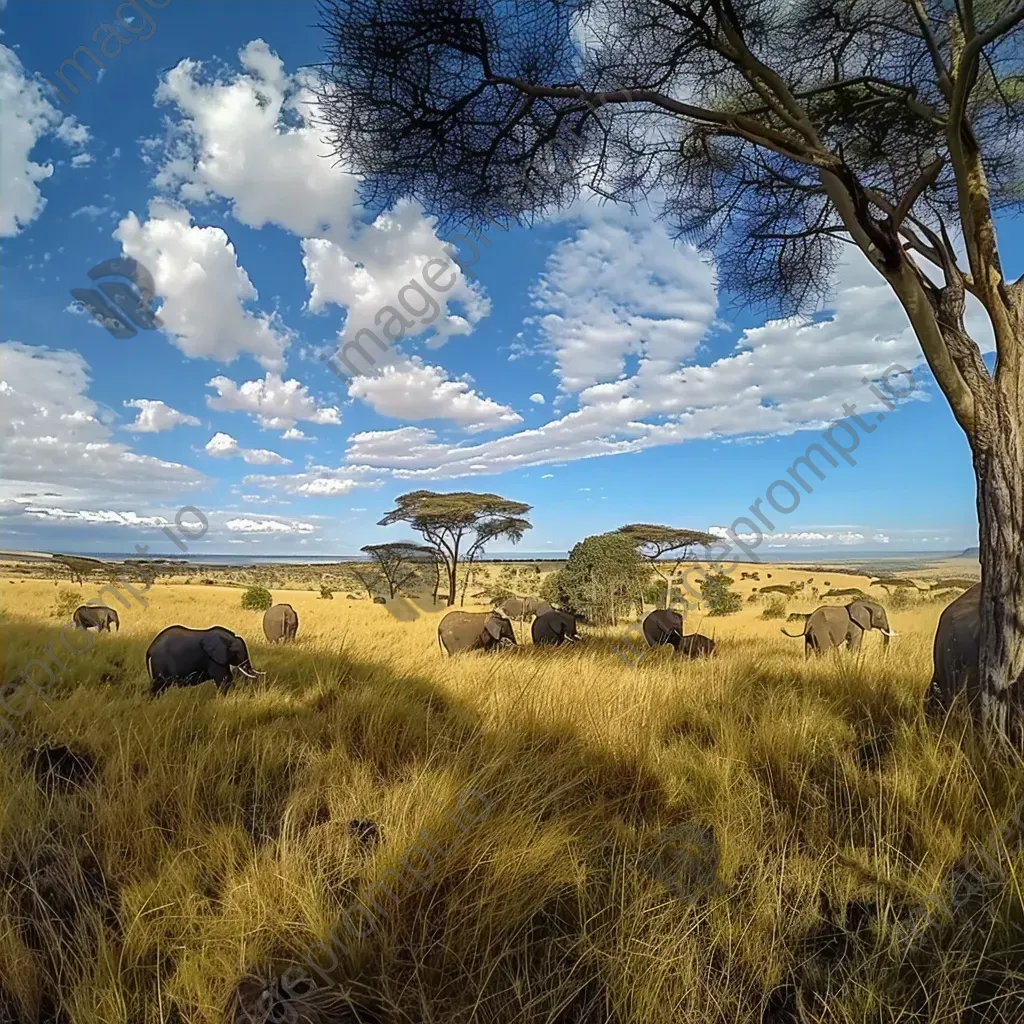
{"points": [[970, 553]]}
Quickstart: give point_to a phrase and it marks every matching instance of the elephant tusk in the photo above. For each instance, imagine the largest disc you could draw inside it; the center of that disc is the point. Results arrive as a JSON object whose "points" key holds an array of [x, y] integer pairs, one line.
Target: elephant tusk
{"points": [[887, 633], [250, 675]]}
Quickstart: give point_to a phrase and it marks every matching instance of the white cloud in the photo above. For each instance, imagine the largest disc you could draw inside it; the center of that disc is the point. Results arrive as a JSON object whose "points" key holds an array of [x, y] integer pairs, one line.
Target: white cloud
{"points": [[82, 160], [97, 517], [294, 434], [155, 416], [272, 402], [537, 398], [547, 476], [26, 115], [224, 446], [415, 391], [90, 210], [254, 139], [54, 439], [204, 290], [268, 526], [316, 481]]}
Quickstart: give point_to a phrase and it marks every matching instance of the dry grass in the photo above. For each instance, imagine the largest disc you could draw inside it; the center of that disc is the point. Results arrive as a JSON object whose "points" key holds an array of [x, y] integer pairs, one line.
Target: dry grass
{"points": [[214, 837]]}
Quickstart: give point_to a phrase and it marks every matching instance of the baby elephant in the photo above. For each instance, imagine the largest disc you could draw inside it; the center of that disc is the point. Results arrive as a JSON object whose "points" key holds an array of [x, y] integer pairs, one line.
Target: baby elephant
{"points": [[280, 623], [554, 627], [180, 656], [98, 615], [696, 645], [475, 631]]}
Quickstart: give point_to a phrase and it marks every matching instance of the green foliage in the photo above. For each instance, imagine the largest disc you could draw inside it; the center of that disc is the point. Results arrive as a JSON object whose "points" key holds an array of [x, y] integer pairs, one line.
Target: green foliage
{"points": [[718, 596], [65, 603], [326, 594], [775, 608], [901, 599], [257, 599], [604, 578]]}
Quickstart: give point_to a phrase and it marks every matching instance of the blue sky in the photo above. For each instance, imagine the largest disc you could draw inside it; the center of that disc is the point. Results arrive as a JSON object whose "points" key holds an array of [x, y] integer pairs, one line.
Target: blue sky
{"points": [[589, 367]]}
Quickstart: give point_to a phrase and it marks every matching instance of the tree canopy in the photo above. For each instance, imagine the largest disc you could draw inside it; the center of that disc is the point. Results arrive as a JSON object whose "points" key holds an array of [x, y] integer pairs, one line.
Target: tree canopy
{"points": [[654, 542], [603, 579], [774, 135], [459, 525]]}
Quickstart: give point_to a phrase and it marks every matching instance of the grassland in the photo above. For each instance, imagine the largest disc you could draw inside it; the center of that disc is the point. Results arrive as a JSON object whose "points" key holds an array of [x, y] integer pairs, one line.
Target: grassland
{"points": [[214, 840]]}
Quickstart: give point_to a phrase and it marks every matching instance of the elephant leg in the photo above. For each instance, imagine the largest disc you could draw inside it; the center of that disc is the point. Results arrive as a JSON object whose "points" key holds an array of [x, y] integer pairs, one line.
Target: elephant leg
{"points": [[854, 638]]}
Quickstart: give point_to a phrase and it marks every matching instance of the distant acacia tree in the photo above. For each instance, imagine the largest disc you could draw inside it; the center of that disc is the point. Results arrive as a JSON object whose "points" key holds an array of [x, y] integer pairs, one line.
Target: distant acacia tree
{"points": [[399, 563], [459, 525], [655, 542], [777, 133]]}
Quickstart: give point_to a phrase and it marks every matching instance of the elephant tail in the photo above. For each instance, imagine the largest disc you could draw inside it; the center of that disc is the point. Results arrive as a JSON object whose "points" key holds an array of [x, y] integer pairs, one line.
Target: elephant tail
{"points": [[803, 632], [117, 622]]}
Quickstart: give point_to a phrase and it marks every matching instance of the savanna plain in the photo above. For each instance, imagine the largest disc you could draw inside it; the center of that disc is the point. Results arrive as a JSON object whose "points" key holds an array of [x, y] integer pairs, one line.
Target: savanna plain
{"points": [[211, 841]]}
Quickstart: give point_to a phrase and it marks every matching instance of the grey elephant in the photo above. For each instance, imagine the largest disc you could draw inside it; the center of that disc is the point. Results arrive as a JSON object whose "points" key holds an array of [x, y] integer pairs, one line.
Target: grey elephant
{"points": [[955, 653], [523, 608], [180, 656], [97, 615], [663, 626], [280, 623], [554, 627], [475, 631], [832, 626]]}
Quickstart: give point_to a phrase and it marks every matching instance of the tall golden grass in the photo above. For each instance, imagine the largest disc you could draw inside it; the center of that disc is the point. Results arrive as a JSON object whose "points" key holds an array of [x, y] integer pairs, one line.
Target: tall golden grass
{"points": [[213, 842]]}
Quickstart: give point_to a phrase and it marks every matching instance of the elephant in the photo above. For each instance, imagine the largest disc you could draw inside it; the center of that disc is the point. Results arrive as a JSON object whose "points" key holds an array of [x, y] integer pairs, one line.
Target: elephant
{"points": [[180, 656], [833, 625], [280, 623], [696, 645], [554, 627], [665, 626], [955, 653], [471, 631], [522, 608], [98, 615]]}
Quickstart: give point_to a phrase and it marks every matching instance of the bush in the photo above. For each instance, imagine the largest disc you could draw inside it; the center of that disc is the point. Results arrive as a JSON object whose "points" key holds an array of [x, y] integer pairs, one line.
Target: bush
{"points": [[65, 603], [901, 599], [257, 599], [778, 588], [718, 596], [326, 594], [775, 608]]}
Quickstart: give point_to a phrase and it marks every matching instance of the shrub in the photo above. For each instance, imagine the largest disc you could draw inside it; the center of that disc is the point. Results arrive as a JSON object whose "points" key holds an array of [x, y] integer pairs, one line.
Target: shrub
{"points": [[257, 599], [778, 588], [719, 597], [65, 603], [775, 608], [900, 599], [326, 594]]}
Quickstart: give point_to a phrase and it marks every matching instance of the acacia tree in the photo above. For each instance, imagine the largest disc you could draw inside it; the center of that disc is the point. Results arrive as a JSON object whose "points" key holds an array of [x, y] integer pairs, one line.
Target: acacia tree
{"points": [[655, 542], [777, 133], [459, 525], [398, 563]]}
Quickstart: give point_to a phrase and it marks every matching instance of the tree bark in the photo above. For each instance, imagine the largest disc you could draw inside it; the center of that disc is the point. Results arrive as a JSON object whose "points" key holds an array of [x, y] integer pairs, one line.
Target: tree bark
{"points": [[999, 467]]}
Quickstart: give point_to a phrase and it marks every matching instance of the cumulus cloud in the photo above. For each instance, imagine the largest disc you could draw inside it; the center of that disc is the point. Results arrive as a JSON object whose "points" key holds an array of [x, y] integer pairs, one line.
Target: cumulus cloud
{"points": [[413, 390], [273, 403], [316, 482], [253, 139], [154, 416], [294, 434], [537, 398], [26, 115], [204, 289], [54, 440], [224, 446], [96, 516]]}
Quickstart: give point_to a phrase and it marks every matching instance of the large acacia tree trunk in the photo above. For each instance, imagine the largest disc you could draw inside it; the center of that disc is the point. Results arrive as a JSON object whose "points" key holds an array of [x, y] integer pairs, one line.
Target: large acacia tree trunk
{"points": [[999, 467]]}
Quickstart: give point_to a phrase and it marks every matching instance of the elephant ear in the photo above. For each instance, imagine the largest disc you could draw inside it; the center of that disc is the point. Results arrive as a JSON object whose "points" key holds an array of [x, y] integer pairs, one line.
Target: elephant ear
{"points": [[216, 647], [493, 626], [860, 614]]}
